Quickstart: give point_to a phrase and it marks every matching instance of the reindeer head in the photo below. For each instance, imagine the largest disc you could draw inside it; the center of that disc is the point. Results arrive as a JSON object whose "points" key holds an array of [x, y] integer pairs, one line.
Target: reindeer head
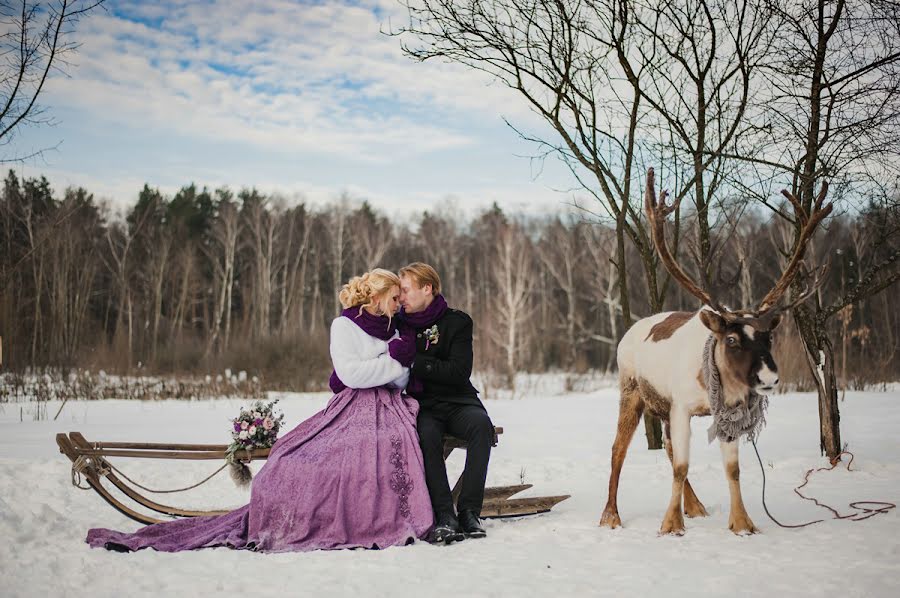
{"points": [[744, 337], [743, 352]]}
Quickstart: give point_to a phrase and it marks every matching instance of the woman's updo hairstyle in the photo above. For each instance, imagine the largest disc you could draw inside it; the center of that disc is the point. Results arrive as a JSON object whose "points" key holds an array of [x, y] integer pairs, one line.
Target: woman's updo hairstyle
{"points": [[369, 290]]}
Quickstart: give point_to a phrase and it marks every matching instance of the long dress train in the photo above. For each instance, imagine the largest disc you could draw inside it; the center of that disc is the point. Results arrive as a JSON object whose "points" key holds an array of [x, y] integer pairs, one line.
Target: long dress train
{"points": [[350, 476]]}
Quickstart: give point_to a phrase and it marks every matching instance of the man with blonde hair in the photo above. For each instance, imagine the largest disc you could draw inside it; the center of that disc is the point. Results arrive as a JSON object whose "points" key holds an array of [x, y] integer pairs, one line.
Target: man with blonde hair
{"points": [[448, 403]]}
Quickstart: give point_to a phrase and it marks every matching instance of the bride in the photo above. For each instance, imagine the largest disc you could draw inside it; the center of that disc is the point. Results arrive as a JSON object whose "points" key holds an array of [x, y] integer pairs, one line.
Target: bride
{"points": [[351, 475]]}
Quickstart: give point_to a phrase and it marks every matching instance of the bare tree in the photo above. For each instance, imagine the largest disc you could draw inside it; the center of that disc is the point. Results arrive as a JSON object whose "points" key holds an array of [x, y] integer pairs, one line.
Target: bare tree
{"points": [[36, 40], [116, 258], [220, 251], [514, 276], [339, 242], [293, 254], [831, 113], [562, 252], [441, 240], [372, 238], [600, 291], [153, 241], [71, 273], [618, 81], [37, 205], [260, 227]]}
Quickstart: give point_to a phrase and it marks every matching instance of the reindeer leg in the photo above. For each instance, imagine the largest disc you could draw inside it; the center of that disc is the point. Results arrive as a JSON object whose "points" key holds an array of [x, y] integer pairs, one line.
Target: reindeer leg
{"points": [[692, 505], [631, 408], [738, 520], [680, 439]]}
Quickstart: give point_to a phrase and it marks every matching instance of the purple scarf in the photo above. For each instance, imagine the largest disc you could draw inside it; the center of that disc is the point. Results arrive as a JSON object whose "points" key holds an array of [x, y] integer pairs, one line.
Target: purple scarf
{"points": [[428, 316], [420, 321], [378, 326]]}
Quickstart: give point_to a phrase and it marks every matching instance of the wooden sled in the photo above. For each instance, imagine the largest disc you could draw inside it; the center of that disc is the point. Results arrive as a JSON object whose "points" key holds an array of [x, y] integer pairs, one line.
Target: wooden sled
{"points": [[90, 462]]}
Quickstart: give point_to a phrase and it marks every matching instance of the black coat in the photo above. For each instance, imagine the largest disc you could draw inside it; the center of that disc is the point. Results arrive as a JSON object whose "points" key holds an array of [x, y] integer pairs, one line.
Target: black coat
{"points": [[445, 366]]}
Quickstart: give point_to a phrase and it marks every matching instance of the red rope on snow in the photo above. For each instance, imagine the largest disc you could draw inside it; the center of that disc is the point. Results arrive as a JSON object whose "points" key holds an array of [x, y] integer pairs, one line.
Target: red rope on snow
{"points": [[864, 507]]}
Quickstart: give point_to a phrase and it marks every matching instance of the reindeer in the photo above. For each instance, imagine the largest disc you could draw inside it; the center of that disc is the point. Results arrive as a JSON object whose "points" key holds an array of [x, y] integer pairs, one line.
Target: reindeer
{"points": [[660, 362]]}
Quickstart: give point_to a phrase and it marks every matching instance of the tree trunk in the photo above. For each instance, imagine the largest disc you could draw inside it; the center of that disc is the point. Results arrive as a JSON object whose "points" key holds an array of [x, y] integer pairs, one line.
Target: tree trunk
{"points": [[182, 305], [613, 318], [337, 257], [130, 349], [820, 357]]}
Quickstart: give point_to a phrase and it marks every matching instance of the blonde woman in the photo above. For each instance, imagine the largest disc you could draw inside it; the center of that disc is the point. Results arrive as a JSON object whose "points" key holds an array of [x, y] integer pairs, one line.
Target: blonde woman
{"points": [[351, 475]]}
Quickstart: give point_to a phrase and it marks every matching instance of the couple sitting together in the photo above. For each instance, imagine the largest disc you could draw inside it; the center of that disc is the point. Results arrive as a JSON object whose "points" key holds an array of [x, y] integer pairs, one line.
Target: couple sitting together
{"points": [[367, 471]]}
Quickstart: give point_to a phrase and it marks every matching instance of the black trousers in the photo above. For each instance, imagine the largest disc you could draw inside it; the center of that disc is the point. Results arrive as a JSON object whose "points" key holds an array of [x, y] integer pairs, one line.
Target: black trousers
{"points": [[472, 424]]}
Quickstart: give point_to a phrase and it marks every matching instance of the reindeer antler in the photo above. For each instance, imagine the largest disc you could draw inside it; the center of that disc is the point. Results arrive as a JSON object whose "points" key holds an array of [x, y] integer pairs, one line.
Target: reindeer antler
{"points": [[808, 224], [765, 317], [657, 212]]}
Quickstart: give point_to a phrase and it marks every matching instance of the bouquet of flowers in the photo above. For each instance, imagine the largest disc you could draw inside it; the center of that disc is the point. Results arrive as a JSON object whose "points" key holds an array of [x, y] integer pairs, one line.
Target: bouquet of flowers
{"points": [[255, 427]]}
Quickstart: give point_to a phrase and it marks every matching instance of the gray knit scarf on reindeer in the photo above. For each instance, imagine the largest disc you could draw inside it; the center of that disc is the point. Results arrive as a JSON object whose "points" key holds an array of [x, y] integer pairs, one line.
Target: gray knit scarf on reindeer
{"points": [[729, 423]]}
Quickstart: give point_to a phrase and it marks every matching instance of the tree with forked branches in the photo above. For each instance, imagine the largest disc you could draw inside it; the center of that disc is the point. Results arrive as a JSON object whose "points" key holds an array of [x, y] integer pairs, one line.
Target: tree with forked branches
{"points": [[830, 112], [621, 85], [36, 40]]}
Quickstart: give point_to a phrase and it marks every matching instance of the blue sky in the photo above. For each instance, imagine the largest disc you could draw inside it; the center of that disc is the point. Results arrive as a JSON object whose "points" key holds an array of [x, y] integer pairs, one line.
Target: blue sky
{"points": [[304, 99]]}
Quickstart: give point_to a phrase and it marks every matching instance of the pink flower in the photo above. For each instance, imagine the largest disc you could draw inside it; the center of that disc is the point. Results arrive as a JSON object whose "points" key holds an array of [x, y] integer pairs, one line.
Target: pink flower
{"points": [[244, 425], [268, 424]]}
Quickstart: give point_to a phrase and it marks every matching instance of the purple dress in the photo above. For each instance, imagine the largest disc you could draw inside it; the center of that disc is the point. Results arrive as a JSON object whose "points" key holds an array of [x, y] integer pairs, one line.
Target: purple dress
{"points": [[349, 476]]}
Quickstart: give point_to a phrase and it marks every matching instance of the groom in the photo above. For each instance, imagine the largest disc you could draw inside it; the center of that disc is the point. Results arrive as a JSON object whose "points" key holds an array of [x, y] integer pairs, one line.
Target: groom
{"points": [[439, 380]]}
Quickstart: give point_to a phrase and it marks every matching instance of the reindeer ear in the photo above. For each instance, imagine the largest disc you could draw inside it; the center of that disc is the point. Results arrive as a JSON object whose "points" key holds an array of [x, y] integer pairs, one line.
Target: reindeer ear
{"points": [[712, 320], [776, 320]]}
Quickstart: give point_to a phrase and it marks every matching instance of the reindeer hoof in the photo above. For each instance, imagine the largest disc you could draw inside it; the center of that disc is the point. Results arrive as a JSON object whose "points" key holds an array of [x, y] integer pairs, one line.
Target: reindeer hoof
{"points": [[743, 527], [695, 510], [673, 526], [610, 519], [744, 531]]}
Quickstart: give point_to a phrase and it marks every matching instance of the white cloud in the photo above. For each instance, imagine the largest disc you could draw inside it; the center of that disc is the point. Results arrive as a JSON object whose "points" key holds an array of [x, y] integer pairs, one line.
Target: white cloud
{"points": [[278, 75], [298, 100]]}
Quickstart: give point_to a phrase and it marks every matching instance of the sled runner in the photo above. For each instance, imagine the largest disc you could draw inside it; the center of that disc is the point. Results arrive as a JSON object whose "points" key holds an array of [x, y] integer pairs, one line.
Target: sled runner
{"points": [[90, 461]]}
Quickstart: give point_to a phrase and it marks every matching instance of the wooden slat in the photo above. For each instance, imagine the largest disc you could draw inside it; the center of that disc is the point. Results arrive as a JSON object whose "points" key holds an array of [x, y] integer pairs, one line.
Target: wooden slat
{"points": [[81, 443], [452, 442], [164, 450], [503, 492], [492, 494], [68, 449], [174, 454], [159, 446], [520, 506]]}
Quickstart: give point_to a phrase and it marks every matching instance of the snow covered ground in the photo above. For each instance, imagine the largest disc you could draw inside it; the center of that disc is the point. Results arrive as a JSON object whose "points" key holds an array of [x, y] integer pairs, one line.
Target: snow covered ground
{"points": [[558, 442]]}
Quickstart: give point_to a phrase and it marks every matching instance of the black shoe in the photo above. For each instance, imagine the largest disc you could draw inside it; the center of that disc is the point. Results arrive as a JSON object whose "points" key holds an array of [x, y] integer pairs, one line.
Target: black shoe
{"points": [[116, 547], [471, 525], [446, 530]]}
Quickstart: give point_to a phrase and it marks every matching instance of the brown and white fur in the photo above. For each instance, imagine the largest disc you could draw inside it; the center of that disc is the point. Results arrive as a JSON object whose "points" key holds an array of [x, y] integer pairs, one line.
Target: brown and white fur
{"points": [[660, 370], [661, 362]]}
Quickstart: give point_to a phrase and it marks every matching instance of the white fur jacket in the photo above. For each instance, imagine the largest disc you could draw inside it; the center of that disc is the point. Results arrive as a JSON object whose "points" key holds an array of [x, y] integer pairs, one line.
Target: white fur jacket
{"points": [[363, 361]]}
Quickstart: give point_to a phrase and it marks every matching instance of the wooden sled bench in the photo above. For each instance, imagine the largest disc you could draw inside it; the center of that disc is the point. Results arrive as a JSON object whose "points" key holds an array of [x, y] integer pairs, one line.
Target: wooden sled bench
{"points": [[90, 461]]}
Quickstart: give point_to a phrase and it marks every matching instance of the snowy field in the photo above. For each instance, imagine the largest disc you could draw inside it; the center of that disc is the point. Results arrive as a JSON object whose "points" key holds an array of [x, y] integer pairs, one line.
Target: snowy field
{"points": [[560, 442]]}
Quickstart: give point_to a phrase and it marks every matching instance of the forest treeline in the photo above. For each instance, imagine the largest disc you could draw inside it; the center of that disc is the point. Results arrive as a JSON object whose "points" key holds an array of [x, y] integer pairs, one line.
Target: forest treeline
{"points": [[211, 279]]}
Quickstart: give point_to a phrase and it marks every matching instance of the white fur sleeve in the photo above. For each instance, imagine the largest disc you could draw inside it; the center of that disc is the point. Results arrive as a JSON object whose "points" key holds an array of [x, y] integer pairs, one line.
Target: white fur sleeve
{"points": [[402, 381], [355, 370]]}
